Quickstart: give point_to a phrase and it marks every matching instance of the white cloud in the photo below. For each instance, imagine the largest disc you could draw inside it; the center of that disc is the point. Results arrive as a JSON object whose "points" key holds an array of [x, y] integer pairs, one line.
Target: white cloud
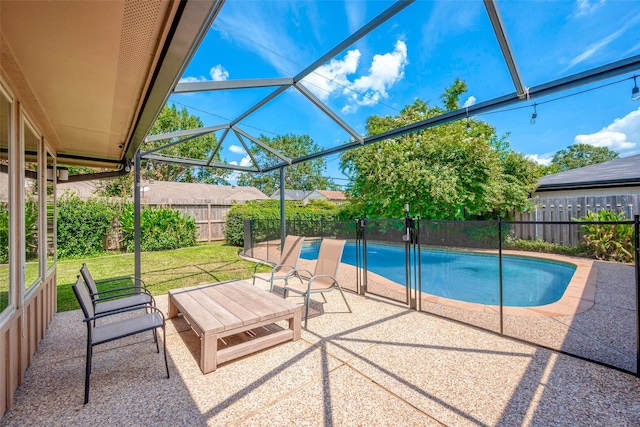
{"points": [[599, 45], [385, 70], [246, 161], [541, 159], [217, 73], [264, 30], [237, 149], [192, 79], [469, 102], [587, 7], [332, 76], [622, 134], [355, 14]]}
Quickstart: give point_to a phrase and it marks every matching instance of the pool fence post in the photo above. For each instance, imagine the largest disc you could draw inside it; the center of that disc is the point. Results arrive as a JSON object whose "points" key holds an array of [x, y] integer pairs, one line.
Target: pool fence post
{"points": [[500, 270], [418, 280], [363, 224], [283, 221], [358, 270], [636, 226]]}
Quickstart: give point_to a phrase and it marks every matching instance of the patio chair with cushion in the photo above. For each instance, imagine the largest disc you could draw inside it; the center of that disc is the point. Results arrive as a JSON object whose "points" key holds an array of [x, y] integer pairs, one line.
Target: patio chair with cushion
{"points": [[288, 262], [116, 329], [116, 298], [324, 277]]}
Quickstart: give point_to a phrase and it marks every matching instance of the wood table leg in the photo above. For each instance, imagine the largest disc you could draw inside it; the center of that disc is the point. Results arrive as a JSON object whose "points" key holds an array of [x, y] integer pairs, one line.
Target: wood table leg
{"points": [[294, 323], [208, 353], [173, 309]]}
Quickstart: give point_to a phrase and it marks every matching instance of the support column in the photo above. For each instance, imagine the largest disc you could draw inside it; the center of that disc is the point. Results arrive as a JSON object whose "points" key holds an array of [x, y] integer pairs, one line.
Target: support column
{"points": [[283, 223], [136, 215]]}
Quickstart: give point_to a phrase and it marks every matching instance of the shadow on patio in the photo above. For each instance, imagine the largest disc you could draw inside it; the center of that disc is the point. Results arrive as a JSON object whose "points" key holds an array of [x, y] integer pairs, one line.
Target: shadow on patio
{"points": [[381, 365]]}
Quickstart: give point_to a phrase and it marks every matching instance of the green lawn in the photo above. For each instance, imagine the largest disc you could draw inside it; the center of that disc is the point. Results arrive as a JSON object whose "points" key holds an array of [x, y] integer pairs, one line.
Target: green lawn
{"points": [[161, 271]]}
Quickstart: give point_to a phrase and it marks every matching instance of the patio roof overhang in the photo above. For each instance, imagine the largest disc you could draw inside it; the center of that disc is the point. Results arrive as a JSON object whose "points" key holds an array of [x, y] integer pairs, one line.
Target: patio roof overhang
{"points": [[95, 74]]}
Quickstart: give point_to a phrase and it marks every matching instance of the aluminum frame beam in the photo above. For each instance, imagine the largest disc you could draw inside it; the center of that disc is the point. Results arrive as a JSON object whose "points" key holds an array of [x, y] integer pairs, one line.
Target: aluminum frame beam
{"points": [[328, 111], [263, 145], [244, 145], [186, 132], [505, 46], [613, 69], [218, 145], [363, 31], [207, 86], [200, 163]]}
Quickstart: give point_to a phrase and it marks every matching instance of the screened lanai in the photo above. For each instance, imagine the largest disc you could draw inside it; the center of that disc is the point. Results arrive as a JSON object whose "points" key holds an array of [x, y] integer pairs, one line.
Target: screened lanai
{"points": [[81, 84]]}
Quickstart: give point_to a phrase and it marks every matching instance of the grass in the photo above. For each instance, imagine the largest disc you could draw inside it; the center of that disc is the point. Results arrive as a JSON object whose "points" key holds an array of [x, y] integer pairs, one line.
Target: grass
{"points": [[161, 271]]}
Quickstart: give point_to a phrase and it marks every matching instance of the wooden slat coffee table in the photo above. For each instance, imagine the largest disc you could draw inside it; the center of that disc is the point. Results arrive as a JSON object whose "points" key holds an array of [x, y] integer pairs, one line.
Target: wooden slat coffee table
{"points": [[219, 310]]}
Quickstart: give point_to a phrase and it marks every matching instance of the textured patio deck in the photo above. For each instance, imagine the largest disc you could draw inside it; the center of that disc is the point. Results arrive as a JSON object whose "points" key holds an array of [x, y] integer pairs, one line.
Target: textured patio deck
{"points": [[382, 365]]}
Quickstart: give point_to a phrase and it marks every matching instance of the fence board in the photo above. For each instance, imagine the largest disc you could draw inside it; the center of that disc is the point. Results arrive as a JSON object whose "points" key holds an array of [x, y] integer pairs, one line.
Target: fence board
{"points": [[568, 208], [210, 218]]}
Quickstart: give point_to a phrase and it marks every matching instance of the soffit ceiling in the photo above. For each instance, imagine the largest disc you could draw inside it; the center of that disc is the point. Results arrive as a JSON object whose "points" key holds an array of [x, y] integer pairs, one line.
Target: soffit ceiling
{"points": [[85, 70]]}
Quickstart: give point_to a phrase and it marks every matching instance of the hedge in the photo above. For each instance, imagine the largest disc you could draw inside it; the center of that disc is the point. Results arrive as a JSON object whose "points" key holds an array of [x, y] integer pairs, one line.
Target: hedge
{"points": [[270, 210], [83, 225]]}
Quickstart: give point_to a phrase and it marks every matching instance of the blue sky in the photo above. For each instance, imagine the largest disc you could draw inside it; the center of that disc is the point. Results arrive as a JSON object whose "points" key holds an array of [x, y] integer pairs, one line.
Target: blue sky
{"points": [[417, 54]]}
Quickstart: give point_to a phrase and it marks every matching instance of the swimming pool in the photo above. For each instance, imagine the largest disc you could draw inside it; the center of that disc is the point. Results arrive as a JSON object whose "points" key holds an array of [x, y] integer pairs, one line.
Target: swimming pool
{"points": [[470, 277]]}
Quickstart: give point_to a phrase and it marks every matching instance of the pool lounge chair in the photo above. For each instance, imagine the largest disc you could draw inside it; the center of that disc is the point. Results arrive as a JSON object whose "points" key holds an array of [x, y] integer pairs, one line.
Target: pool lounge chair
{"points": [[288, 262], [116, 329], [324, 277]]}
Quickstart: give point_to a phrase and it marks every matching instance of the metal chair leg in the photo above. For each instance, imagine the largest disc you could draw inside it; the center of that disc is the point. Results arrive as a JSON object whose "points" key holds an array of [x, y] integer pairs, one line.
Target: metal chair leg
{"points": [[306, 311], [87, 374], [164, 347], [344, 298]]}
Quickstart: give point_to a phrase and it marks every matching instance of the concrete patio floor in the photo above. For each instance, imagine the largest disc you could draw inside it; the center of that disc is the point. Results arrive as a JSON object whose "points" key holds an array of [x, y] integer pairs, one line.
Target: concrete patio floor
{"points": [[383, 364]]}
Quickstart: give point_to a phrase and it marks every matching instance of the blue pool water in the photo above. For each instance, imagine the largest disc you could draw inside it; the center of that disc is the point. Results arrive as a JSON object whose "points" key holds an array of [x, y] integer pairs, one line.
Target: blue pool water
{"points": [[470, 277]]}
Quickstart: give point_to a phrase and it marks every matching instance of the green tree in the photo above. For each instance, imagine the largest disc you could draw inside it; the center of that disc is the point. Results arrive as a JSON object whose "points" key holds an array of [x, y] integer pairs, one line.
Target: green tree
{"points": [[446, 172], [171, 119], [580, 155], [301, 176], [121, 186]]}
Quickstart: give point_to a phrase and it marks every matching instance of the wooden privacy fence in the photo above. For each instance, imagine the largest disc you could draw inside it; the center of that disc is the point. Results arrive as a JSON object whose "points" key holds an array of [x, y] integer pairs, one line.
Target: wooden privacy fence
{"points": [[566, 209], [210, 217]]}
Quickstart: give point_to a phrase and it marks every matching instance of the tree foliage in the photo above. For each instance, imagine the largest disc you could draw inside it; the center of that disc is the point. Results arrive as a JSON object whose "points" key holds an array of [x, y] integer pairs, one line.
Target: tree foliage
{"points": [[580, 155], [301, 176], [171, 119], [445, 172]]}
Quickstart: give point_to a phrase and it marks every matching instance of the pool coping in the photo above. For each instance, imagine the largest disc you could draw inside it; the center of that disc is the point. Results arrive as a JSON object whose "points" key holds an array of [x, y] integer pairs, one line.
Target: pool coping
{"points": [[577, 298]]}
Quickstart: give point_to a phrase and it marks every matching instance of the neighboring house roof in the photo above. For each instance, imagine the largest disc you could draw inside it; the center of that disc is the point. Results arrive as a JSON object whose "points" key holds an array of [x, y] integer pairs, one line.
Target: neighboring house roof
{"points": [[614, 173], [292, 194], [82, 189], [183, 192], [332, 194], [165, 192]]}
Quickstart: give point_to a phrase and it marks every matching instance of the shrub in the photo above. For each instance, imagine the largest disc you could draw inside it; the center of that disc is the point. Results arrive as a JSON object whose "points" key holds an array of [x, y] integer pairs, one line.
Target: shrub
{"points": [[262, 210], [539, 245], [160, 229], [610, 242], [82, 225]]}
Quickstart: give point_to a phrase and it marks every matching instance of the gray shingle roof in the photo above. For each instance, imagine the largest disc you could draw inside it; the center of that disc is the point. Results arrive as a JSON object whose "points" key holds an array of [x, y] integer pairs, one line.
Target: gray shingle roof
{"points": [[166, 192], [291, 194], [618, 172]]}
